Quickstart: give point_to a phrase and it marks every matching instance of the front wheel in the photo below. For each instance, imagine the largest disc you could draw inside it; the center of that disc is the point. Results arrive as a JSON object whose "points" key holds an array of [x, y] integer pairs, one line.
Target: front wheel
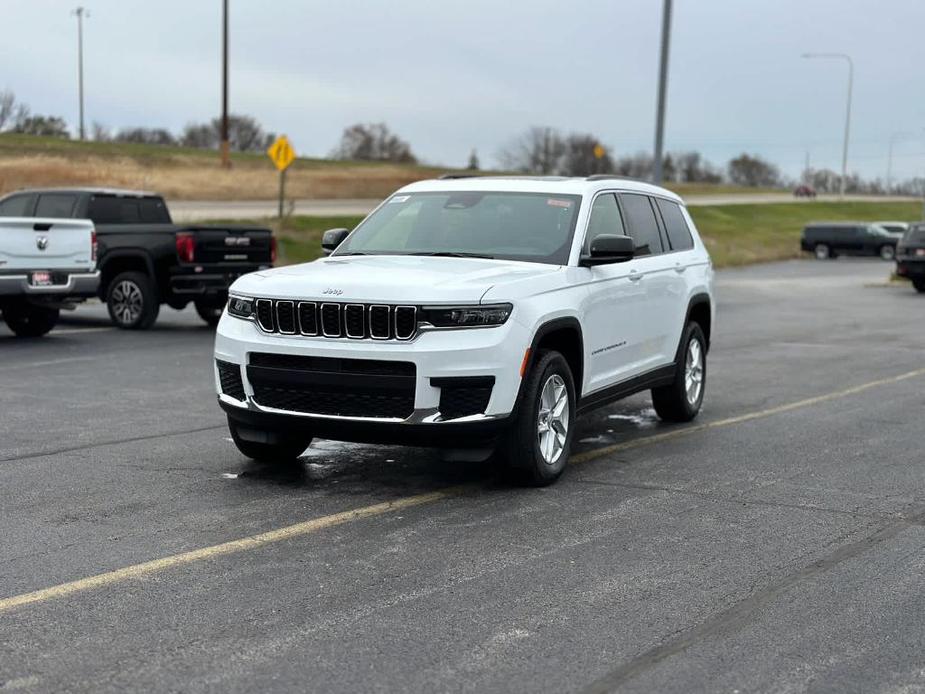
{"points": [[29, 320], [680, 401], [282, 450], [210, 312], [822, 251], [536, 448], [132, 301], [887, 252]]}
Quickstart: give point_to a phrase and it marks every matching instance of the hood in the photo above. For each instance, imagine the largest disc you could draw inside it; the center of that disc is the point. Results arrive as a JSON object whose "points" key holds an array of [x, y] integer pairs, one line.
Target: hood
{"points": [[388, 279]]}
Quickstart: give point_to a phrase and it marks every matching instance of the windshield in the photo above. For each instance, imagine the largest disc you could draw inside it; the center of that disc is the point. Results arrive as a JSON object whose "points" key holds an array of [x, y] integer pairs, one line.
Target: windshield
{"points": [[878, 230], [916, 234], [534, 227]]}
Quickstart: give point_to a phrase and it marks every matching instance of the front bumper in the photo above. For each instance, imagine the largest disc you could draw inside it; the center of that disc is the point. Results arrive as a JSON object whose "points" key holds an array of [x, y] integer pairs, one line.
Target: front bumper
{"points": [[495, 352], [78, 285]]}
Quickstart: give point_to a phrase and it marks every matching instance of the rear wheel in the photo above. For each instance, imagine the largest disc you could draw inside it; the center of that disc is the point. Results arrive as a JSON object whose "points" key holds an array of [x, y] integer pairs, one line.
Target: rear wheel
{"points": [[887, 252], [209, 311], [29, 320], [680, 401], [132, 301], [275, 448], [536, 448], [822, 251]]}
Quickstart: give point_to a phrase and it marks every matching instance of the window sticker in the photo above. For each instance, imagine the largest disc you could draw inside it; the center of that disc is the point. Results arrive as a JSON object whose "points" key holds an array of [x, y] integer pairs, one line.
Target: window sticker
{"points": [[558, 203], [399, 199]]}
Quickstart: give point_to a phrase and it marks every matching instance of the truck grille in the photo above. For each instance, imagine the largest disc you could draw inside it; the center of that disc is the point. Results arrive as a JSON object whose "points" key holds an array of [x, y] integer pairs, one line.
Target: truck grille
{"points": [[354, 321], [334, 387]]}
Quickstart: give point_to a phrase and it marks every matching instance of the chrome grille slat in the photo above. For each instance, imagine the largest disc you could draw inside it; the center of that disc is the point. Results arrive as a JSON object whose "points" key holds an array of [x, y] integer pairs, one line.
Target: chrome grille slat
{"points": [[336, 320]]}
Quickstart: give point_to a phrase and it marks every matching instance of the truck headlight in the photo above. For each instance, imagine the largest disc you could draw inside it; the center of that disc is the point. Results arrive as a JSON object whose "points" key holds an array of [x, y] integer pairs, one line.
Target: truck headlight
{"points": [[240, 307], [466, 316]]}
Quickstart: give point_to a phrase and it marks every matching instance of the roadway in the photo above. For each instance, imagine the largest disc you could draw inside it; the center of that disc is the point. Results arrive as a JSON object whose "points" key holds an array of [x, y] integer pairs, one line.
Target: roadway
{"points": [[776, 544], [193, 210]]}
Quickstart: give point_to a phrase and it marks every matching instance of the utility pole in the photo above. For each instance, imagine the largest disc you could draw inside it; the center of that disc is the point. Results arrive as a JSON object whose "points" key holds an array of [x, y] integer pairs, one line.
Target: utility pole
{"points": [[844, 155], [225, 146], [662, 89], [80, 13]]}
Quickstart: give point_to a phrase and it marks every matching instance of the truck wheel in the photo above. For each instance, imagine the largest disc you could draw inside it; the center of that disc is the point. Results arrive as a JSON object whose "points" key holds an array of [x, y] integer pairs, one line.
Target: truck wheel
{"points": [[29, 320], [282, 452], [536, 448], [822, 251], [887, 252], [132, 301], [680, 401], [210, 312]]}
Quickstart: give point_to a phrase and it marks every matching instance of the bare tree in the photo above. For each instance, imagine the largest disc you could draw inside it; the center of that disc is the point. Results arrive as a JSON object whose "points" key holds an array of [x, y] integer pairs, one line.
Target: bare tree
{"points": [[537, 151], [7, 105], [373, 142], [148, 136], [584, 156], [245, 134], [473, 161], [47, 126], [752, 170], [99, 132]]}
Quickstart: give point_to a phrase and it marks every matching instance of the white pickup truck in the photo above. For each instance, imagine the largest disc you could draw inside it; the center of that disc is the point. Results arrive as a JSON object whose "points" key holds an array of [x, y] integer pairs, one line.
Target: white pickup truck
{"points": [[45, 265]]}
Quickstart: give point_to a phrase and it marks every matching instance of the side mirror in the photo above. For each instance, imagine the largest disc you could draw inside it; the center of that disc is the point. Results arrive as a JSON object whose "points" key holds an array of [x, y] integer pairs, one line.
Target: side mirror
{"points": [[333, 238], [610, 248]]}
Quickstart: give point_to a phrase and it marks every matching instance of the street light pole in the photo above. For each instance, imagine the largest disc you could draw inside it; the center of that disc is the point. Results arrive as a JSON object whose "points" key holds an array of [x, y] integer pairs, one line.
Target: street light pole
{"points": [[225, 146], [844, 155], [662, 89], [80, 12]]}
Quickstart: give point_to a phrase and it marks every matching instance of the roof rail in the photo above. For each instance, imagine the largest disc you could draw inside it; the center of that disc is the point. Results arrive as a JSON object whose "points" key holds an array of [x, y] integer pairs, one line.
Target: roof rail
{"points": [[606, 177], [451, 176]]}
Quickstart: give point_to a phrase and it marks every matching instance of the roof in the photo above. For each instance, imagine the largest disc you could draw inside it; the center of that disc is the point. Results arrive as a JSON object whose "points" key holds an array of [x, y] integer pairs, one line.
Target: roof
{"points": [[96, 191], [538, 184]]}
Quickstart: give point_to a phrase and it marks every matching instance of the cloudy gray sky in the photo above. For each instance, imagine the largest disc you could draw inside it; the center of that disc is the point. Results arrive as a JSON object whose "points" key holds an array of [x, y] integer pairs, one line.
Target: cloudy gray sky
{"points": [[450, 75]]}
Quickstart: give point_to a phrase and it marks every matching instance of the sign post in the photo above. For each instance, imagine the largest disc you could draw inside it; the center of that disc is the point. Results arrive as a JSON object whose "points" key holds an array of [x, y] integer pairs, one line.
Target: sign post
{"points": [[282, 155]]}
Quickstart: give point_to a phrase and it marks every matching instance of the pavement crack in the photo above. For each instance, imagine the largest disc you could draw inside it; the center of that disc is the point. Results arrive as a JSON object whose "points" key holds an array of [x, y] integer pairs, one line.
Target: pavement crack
{"points": [[739, 614]]}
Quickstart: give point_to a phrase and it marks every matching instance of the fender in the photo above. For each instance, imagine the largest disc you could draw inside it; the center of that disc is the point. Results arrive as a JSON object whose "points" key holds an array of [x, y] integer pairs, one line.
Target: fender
{"points": [[545, 329], [134, 253], [699, 299]]}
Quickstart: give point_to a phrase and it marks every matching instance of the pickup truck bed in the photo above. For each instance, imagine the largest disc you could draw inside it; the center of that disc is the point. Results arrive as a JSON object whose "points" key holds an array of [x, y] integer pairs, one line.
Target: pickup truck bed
{"points": [[45, 265]]}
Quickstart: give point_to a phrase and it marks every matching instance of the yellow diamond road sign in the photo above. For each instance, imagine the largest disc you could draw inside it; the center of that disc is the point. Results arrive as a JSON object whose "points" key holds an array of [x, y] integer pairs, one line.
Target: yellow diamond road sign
{"points": [[599, 152], [282, 153]]}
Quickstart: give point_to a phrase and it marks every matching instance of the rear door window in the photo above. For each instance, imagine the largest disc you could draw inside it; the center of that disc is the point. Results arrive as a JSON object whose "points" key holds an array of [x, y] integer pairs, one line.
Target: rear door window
{"points": [[679, 235], [641, 223], [110, 209], [153, 211], [17, 206], [56, 205]]}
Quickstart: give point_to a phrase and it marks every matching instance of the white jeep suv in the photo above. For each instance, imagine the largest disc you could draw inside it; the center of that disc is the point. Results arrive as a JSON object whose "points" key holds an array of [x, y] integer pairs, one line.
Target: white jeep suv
{"points": [[483, 312]]}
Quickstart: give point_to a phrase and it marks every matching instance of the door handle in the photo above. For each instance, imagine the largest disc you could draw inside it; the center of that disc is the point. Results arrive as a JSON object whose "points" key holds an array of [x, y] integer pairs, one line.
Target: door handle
{"points": [[635, 276], [679, 268]]}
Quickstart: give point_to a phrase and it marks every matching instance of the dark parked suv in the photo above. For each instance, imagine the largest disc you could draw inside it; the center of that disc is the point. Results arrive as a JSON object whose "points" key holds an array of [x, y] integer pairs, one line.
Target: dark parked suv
{"points": [[144, 259], [910, 257], [831, 239]]}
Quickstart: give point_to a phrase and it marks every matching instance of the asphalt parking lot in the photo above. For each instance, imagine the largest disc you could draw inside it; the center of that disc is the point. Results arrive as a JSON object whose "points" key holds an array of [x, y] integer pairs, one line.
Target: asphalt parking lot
{"points": [[777, 544]]}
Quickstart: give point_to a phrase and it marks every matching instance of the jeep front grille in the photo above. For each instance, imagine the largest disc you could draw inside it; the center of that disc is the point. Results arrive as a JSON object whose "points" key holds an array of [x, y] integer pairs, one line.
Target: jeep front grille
{"points": [[354, 321]]}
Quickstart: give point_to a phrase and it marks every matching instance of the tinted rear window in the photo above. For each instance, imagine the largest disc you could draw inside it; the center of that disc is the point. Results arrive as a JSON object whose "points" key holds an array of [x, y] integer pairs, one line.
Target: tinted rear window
{"points": [[17, 206], [917, 235], [56, 205], [679, 235], [109, 209]]}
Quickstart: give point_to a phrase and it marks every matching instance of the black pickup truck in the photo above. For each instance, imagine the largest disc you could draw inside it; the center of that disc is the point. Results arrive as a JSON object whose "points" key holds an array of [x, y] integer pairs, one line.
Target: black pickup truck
{"points": [[144, 259], [910, 257]]}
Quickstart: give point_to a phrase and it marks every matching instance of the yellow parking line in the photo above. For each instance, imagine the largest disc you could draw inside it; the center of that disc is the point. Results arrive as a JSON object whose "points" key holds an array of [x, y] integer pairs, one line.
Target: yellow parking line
{"points": [[307, 527]]}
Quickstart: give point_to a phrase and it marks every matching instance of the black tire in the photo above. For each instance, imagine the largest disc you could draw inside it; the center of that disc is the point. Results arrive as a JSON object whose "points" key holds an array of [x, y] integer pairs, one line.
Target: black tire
{"points": [[887, 252], [822, 251], [131, 298], [285, 451], [673, 403], [29, 320], [210, 312], [919, 286], [520, 447]]}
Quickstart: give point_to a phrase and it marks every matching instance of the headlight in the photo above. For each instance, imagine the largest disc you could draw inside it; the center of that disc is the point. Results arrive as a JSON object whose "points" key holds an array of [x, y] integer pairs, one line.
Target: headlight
{"points": [[466, 316], [240, 307]]}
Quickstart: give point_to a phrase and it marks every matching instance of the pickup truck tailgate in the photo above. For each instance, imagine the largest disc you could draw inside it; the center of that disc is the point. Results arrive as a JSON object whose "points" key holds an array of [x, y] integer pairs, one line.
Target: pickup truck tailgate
{"points": [[231, 244], [46, 244]]}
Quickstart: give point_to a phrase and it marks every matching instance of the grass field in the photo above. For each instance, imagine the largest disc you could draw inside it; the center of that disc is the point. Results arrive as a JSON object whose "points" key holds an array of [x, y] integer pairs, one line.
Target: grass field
{"points": [[195, 174], [734, 234]]}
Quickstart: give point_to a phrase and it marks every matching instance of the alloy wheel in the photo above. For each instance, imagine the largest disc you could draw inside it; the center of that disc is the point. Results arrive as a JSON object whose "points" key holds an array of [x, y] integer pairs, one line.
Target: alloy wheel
{"points": [[693, 372], [127, 302], [553, 419]]}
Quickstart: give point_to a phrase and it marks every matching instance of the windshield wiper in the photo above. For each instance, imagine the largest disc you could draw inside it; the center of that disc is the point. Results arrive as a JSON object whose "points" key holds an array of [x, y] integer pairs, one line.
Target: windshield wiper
{"points": [[453, 254]]}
